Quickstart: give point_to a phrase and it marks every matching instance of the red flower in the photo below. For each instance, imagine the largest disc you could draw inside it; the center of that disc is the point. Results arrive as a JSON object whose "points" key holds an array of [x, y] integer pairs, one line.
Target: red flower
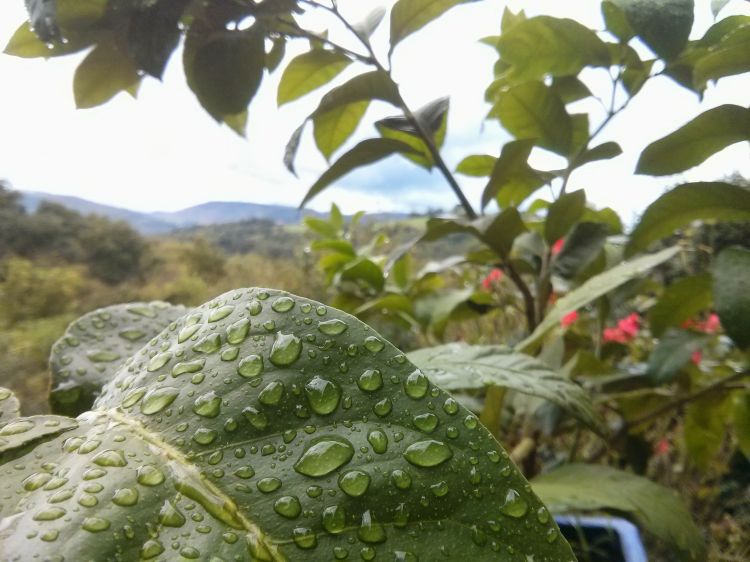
{"points": [[557, 247], [569, 319], [626, 329], [696, 357], [710, 325], [662, 447], [493, 276]]}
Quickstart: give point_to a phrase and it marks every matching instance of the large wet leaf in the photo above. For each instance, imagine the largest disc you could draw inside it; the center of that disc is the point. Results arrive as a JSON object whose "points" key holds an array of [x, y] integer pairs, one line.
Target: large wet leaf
{"points": [[93, 347], [658, 510], [458, 366], [263, 426]]}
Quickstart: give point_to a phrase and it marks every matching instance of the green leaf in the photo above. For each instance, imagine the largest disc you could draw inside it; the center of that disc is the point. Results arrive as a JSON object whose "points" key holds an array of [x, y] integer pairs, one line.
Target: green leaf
{"points": [[592, 289], [545, 45], [458, 366], [731, 56], [96, 345], [679, 302], [616, 21], [10, 408], [225, 68], [25, 43], [105, 72], [237, 122], [292, 146], [364, 271], [511, 173], [731, 276], [721, 29], [434, 310], [43, 19], [582, 246], [333, 128], [563, 214], [717, 6], [687, 203], [741, 419], [693, 143], [366, 152], [570, 89], [655, 508], [671, 354], [532, 111], [390, 303], [153, 34], [309, 71], [705, 427], [226, 464], [604, 151], [496, 231], [477, 165], [408, 16], [664, 25], [276, 53]]}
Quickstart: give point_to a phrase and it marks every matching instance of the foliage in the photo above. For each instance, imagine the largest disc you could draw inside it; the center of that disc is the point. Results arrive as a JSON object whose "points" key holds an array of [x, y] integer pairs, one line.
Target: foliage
{"points": [[296, 427]]}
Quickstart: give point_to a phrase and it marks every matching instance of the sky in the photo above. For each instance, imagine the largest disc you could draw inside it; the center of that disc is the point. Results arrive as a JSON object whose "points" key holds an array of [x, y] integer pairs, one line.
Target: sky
{"points": [[162, 152]]}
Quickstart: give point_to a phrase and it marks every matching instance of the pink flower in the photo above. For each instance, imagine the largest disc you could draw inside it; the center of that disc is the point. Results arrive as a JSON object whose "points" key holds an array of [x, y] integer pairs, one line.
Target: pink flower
{"points": [[627, 328], [696, 357], [493, 276], [615, 335], [662, 447], [569, 319], [710, 325], [557, 247]]}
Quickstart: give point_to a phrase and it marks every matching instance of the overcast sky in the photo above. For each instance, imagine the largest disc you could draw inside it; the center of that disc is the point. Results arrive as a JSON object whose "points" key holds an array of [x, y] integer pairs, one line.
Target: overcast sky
{"points": [[163, 152]]}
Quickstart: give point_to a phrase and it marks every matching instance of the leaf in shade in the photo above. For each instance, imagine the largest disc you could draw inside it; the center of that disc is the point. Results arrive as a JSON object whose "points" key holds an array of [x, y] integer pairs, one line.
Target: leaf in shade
{"points": [[616, 21], [366, 152], [511, 172], [276, 53], [680, 301], [477, 165], [656, 509], [673, 352], [545, 45], [333, 128], [687, 203], [290, 151], [43, 19], [563, 214], [741, 419], [408, 16], [582, 246], [374, 85], [458, 366], [228, 455], [237, 122], [308, 72], [692, 144], [96, 345], [532, 111], [10, 408], [570, 89], [731, 276], [705, 428], [224, 69], [592, 289], [664, 25], [153, 34], [106, 71]]}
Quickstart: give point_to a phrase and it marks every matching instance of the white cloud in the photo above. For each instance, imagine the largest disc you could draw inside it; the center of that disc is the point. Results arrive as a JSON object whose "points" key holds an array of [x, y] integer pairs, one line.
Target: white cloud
{"points": [[163, 152]]}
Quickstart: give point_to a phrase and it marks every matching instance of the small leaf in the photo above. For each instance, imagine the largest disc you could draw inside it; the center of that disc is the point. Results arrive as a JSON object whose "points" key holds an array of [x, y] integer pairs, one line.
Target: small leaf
{"points": [[672, 354], [512, 177], [458, 366], [366, 152], [333, 128], [582, 246], [476, 165], [570, 89], [664, 25], [96, 345], [105, 72], [237, 122], [290, 151], [693, 143], [496, 231], [728, 58], [616, 21], [231, 455], [408, 16], [25, 43], [545, 45], [604, 151], [687, 203], [153, 34], [680, 301], [224, 69], [592, 289], [731, 275], [368, 26], [308, 72], [374, 85], [655, 508], [532, 111], [563, 214], [10, 408]]}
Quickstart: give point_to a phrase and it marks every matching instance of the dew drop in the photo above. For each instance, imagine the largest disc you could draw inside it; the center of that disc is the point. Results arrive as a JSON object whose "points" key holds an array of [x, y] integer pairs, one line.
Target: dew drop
{"points": [[416, 385], [170, 516], [333, 327], [370, 531], [125, 497], [401, 479], [149, 475], [428, 453], [209, 344], [286, 349], [378, 440], [237, 332], [283, 304], [450, 406], [157, 399], [251, 366], [268, 485], [151, 549], [383, 407], [324, 395], [324, 455], [304, 538], [158, 361], [514, 505], [204, 436], [187, 332], [373, 344], [272, 394], [256, 418], [207, 405], [426, 422], [354, 483], [95, 524], [287, 506], [334, 519], [370, 381], [110, 458], [220, 313], [188, 367]]}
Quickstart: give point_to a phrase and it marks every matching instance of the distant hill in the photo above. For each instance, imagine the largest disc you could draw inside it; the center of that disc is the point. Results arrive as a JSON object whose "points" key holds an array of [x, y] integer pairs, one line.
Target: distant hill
{"points": [[206, 214]]}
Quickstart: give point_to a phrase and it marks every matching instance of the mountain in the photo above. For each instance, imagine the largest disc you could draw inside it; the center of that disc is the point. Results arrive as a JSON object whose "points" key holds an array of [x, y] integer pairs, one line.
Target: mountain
{"points": [[206, 214]]}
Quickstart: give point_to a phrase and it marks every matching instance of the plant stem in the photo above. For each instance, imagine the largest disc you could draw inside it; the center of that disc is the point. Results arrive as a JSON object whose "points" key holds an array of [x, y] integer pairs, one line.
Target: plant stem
{"points": [[528, 298]]}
